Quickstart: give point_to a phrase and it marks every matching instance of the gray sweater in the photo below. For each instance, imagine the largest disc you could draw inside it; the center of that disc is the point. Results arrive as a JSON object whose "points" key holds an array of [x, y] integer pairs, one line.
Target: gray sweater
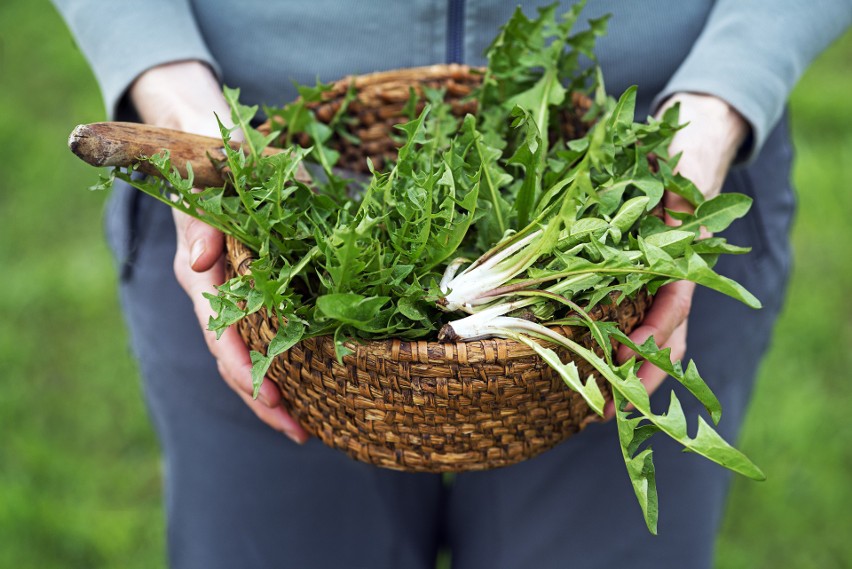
{"points": [[747, 52]]}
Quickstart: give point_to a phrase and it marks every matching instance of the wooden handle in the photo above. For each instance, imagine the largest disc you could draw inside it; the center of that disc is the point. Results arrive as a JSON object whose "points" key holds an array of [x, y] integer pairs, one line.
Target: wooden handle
{"points": [[122, 144]]}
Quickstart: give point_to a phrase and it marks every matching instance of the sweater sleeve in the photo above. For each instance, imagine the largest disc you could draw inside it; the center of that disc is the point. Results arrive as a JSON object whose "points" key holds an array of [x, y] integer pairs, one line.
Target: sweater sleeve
{"points": [[751, 53], [123, 38]]}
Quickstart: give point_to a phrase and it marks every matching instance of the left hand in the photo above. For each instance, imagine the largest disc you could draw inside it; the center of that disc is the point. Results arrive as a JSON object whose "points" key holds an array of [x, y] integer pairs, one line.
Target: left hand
{"points": [[184, 95], [709, 144]]}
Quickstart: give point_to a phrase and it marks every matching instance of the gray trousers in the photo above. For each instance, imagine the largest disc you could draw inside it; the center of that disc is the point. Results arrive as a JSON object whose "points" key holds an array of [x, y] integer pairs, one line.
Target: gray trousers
{"points": [[241, 495]]}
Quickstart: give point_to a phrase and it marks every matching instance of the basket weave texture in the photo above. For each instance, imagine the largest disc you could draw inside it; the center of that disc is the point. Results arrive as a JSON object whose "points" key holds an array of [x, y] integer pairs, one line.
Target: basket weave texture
{"points": [[425, 406]]}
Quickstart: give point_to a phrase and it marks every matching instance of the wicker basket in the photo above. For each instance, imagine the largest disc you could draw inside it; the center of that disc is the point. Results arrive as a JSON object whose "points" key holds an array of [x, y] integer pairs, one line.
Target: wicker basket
{"points": [[417, 405]]}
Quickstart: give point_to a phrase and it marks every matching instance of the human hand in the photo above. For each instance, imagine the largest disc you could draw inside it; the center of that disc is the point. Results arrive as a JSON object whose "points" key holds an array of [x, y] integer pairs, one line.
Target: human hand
{"points": [[184, 96], [709, 144]]}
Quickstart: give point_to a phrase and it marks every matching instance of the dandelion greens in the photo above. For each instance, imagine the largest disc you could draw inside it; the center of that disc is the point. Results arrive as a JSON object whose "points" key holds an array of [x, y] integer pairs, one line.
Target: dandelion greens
{"points": [[488, 225]]}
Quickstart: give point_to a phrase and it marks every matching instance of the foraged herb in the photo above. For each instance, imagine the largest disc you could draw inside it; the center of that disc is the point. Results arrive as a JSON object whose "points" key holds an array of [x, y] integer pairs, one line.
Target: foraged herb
{"points": [[490, 225]]}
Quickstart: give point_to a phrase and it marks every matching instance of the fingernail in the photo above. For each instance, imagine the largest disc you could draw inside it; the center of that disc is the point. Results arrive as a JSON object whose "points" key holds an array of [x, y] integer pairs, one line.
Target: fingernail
{"points": [[289, 429], [268, 394], [196, 251], [293, 435]]}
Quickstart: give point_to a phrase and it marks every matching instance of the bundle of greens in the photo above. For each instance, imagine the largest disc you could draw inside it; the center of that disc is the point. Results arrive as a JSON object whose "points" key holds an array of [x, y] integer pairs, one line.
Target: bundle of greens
{"points": [[553, 226]]}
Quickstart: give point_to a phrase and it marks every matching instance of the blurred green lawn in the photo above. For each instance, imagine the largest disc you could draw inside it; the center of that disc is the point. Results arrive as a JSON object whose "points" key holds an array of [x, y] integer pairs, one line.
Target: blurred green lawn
{"points": [[79, 468]]}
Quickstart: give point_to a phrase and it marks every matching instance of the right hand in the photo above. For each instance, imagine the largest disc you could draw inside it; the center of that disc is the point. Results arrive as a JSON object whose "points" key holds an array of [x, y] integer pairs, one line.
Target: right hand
{"points": [[708, 144], [184, 96]]}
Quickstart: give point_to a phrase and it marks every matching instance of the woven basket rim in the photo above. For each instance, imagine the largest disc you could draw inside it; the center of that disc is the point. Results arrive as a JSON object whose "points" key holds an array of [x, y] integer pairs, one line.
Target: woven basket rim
{"points": [[430, 350]]}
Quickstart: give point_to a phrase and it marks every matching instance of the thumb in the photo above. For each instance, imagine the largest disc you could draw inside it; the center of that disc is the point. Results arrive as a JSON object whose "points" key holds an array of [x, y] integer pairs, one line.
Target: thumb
{"points": [[199, 245]]}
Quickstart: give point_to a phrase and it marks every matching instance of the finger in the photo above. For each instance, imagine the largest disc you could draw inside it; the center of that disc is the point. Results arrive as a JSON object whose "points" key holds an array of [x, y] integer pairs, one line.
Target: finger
{"points": [[234, 362], [235, 368], [670, 309], [674, 202], [690, 165], [199, 244], [232, 355], [650, 375], [278, 419]]}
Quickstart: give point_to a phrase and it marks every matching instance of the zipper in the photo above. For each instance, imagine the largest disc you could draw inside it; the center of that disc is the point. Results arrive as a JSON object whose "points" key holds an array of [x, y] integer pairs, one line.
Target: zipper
{"points": [[455, 31]]}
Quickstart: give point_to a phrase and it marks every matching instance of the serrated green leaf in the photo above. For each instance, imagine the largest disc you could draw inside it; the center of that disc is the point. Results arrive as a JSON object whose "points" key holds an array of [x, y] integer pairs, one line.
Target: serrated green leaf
{"points": [[351, 308], [568, 372], [629, 213], [673, 241], [707, 441], [259, 366], [716, 246], [716, 214], [661, 358], [227, 313], [640, 465], [622, 116], [290, 332]]}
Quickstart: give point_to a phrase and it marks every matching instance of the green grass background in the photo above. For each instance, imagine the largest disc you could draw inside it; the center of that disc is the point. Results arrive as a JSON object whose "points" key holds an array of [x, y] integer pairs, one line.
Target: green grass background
{"points": [[79, 469]]}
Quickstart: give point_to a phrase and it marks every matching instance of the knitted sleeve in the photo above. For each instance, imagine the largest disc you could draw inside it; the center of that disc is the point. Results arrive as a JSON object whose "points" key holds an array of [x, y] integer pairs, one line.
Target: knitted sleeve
{"points": [[752, 52], [123, 38]]}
